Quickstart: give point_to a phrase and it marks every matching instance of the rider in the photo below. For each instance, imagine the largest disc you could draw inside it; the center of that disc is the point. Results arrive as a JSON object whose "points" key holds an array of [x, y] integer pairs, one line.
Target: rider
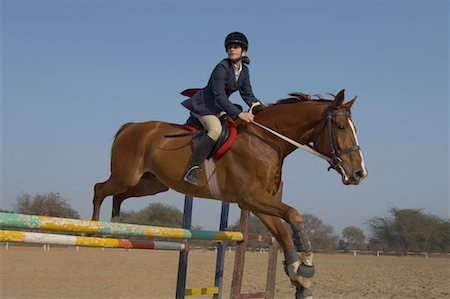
{"points": [[209, 103]]}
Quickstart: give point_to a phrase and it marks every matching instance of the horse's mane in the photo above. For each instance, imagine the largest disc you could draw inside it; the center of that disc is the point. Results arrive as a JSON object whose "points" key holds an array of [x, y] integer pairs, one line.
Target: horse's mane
{"points": [[296, 97]]}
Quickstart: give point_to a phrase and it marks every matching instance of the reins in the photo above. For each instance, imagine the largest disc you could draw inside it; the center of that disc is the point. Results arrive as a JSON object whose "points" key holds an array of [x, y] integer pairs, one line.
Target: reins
{"points": [[306, 148]]}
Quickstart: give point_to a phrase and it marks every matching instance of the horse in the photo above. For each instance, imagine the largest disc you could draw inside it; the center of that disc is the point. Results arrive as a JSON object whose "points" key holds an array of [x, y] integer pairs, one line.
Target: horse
{"points": [[144, 161]]}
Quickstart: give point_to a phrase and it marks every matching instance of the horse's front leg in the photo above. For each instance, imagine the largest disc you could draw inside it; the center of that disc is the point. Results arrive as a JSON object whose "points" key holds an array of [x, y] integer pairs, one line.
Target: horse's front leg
{"points": [[300, 269]]}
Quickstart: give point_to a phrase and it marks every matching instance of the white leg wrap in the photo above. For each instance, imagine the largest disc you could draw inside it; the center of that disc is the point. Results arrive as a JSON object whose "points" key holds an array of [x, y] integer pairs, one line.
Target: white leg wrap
{"points": [[306, 258]]}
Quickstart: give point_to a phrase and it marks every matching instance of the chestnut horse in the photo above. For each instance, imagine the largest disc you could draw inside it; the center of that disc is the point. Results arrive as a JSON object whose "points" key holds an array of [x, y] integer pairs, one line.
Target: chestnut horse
{"points": [[145, 162]]}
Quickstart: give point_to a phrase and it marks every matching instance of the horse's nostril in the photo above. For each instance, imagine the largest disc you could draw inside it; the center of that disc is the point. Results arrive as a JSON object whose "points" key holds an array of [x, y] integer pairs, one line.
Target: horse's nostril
{"points": [[359, 174]]}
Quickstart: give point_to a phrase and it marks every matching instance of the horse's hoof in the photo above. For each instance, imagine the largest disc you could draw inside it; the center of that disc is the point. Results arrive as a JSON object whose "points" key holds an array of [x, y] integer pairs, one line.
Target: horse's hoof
{"points": [[303, 293]]}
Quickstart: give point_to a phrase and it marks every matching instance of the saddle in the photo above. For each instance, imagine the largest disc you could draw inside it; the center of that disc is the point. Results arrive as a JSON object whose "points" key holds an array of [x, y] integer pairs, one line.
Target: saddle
{"points": [[226, 138]]}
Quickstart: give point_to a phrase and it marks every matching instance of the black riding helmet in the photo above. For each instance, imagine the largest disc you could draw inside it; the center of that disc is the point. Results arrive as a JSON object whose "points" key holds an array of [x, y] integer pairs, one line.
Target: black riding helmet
{"points": [[236, 38]]}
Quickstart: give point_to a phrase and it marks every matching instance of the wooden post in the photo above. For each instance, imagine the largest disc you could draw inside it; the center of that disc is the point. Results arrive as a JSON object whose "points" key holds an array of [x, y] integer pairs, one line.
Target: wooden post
{"points": [[239, 259], [272, 270], [241, 248]]}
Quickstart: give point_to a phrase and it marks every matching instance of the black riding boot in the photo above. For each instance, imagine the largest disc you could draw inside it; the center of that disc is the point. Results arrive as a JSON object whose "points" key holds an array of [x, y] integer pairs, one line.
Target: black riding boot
{"points": [[200, 153]]}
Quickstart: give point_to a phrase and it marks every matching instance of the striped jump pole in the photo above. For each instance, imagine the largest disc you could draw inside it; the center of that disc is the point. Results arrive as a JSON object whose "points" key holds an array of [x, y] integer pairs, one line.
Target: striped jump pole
{"points": [[53, 239], [220, 258], [9, 220], [180, 292]]}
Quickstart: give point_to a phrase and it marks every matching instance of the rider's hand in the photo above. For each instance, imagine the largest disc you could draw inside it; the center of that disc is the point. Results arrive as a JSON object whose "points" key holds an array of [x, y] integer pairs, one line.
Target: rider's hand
{"points": [[246, 116]]}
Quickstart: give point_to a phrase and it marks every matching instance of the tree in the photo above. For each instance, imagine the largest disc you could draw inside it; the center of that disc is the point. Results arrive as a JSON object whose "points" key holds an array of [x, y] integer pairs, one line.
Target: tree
{"points": [[410, 230], [321, 235], [353, 238], [156, 214], [50, 204]]}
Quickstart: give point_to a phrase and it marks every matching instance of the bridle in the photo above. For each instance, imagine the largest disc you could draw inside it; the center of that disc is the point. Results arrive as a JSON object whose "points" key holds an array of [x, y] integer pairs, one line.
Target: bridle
{"points": [[335, 159]]}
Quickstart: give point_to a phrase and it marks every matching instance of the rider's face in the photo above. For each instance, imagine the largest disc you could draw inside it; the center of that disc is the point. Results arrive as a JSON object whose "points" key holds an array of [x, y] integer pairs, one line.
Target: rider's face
{"points": [[234, 52]]}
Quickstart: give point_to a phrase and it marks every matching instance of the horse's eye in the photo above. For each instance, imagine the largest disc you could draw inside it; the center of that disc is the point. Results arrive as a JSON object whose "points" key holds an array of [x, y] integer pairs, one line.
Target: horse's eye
{"points": [[340, 126]]}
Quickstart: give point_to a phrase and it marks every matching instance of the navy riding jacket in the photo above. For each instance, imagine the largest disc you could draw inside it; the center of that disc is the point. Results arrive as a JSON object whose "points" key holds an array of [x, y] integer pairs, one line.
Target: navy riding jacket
{"points": [[214, 97]]}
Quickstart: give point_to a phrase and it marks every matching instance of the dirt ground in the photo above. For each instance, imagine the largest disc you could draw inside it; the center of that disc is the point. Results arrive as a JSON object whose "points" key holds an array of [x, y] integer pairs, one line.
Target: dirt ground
{"points": [[116, 273]]}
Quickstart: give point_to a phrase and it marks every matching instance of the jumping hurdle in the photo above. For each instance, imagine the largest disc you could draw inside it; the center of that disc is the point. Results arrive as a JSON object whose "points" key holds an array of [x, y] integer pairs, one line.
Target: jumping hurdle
{"points": [[9, 220], [53, 239], [181, 290], [238, 270], [56, 224]]}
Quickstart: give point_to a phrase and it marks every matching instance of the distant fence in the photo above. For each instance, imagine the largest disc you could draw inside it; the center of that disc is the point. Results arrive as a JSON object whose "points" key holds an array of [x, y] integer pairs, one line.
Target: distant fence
{"points": [[393, 253]]}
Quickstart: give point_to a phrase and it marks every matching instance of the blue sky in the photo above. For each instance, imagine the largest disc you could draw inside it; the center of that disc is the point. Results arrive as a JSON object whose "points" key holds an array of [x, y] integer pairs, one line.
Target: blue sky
{"points": [[74, 71]]}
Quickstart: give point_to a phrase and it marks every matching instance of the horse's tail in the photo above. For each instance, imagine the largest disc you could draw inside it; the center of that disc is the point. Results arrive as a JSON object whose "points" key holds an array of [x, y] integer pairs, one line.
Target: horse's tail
{"points": [[122, 128]]}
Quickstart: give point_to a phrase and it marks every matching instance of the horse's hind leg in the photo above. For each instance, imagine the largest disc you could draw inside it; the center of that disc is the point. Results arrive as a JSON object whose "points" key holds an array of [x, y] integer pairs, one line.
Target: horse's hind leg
{"points": [[102, 190], [112, 186], [148, 185]]}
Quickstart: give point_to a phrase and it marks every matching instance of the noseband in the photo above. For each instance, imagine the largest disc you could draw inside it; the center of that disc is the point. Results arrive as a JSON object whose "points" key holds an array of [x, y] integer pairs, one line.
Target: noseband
{"points": [[335, 159]]}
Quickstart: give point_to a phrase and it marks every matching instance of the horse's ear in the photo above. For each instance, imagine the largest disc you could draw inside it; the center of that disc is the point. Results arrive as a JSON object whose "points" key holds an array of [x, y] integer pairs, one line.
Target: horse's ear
{"points": [[339, 99], [349, 104]]}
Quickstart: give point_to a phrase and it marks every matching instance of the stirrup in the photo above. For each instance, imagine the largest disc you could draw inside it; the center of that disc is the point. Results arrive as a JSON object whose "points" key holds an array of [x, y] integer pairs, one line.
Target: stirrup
{"points": [[192, 175]]}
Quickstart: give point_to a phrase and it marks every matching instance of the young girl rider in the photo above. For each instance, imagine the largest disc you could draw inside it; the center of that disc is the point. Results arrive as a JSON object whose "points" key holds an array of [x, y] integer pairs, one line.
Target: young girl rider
{"points": [[230, 75]]}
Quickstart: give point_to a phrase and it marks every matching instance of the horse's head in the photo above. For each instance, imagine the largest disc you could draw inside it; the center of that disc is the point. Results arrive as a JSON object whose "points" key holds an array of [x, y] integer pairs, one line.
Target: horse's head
{"points": [[336, 138]]}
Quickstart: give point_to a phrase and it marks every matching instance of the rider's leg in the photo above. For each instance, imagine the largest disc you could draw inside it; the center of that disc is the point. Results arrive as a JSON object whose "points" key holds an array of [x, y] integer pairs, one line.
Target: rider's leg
{"points": [[212, 124]]}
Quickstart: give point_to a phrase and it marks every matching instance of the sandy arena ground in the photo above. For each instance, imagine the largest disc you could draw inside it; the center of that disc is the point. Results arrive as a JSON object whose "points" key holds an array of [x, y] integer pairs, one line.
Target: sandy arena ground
{"points": [[116, 273]]}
